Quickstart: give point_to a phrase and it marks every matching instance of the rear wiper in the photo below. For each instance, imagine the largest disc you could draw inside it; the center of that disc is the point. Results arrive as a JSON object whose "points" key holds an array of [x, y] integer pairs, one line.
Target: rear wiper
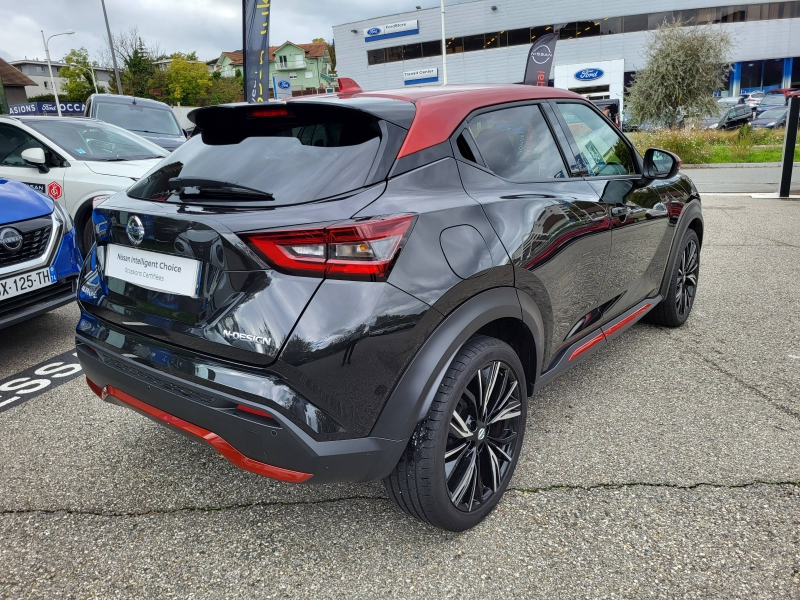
{"points": [[179, 185]]}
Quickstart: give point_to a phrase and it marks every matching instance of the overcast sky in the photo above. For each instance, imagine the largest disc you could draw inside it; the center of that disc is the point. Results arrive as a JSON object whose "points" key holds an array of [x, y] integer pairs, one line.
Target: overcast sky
{"points": [[205, 26]]}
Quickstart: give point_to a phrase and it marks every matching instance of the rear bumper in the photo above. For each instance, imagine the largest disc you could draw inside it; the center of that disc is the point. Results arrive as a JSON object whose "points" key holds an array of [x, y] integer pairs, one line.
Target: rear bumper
{"points": [[273, 446], [27, 306]]}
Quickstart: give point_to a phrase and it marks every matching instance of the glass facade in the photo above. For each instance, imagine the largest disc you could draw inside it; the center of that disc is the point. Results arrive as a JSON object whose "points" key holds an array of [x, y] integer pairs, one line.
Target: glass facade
{"points": [[737, 13]]}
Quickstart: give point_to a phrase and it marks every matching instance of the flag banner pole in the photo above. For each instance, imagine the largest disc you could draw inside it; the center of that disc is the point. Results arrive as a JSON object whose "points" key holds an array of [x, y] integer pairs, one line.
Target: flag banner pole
{"points": [[540, 60], [255, 55]]}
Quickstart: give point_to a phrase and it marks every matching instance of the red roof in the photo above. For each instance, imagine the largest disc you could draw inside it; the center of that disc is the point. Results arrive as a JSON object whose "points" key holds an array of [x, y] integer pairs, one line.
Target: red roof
{"points": [[440, 109]]}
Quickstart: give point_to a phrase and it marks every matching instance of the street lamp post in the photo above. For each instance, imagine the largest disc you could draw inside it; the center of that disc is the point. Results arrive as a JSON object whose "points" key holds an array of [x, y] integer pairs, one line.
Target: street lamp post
{"points": [[91, 70], [50, 66], [111, 46]]}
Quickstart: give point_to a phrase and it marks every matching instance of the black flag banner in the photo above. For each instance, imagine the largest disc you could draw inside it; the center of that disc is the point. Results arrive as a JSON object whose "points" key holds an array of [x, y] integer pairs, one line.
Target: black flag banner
{"points": [[540, 60], [256, 50]]}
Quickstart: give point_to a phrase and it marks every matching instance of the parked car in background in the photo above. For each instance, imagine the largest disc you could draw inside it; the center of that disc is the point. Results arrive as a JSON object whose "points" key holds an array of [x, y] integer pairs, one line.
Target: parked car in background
{"points": [[729, 117], [370, 286], [753, 99], [731, 100], [150, 119], [76, 161], [771, 119], [775, 98], [39, 257]]}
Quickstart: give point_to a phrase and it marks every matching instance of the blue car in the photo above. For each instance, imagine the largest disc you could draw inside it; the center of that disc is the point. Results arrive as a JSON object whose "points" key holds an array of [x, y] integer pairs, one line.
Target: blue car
{"points": [[39, 256]]}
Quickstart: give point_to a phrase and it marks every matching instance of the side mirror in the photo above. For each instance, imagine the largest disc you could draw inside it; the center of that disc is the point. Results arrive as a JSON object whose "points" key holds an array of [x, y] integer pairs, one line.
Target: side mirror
{"points": [[35, 157], [660, 164]]}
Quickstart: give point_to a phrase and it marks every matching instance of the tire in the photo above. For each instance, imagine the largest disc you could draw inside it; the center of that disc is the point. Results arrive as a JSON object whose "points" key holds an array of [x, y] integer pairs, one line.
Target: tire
{"points": [[676, 307], [456, 439], [87, 236]]}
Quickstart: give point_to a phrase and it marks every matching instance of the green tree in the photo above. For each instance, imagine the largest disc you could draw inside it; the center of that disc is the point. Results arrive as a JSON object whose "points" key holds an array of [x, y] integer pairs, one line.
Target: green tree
{"points": [[684, 66], [188, 81], [137, 73], [79, 85]]}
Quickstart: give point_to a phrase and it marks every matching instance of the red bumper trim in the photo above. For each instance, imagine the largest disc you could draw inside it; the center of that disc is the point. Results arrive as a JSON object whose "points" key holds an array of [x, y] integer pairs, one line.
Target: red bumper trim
{"points": [[223, 447], [591, 343]]}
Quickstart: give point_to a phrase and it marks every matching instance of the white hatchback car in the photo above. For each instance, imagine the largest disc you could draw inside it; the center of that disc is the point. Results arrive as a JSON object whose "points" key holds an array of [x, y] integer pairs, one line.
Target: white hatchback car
{"points": [[76, 161]]}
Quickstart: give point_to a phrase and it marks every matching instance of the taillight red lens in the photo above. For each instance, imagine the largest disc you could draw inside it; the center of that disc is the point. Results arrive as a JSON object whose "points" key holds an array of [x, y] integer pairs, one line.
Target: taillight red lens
{"points": [[354, 250], [270, 112]]}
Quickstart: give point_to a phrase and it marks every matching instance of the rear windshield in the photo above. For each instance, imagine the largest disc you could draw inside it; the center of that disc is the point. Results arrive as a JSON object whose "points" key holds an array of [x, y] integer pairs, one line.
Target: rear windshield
{"points": [[774, 99], [138, 118], [296, 158]]}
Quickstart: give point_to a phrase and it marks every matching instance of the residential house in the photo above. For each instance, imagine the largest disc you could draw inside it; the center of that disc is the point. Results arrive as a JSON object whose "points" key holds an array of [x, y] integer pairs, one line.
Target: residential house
{"points": [[307, 66], [12, 86], [38, 72]]}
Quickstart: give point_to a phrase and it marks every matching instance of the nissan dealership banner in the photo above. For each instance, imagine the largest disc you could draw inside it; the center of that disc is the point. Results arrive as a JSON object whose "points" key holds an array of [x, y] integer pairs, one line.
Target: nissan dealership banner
{"points": [[540, 60], [256, 50], [392, 30], [47, 108]]}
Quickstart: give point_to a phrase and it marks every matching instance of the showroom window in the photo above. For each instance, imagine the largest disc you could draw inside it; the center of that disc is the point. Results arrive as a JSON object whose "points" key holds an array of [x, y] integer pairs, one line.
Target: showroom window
{"points": [[497, 39], [394, 54], [655, 20], [537, 32], [706, 16], [455, 45], [796, 72], [733, 14], [634, 23], [610, 25], [412, 51], [432, 48], [473, 42], [519, 37], [773, 74], [587, 28], [751, 75], [376, 57], [687, 17], [517, 144]]}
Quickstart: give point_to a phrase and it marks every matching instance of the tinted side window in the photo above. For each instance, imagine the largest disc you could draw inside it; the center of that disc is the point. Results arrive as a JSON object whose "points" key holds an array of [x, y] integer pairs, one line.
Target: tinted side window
{"points": [[602, 149], [13, 142], [516, 144]]}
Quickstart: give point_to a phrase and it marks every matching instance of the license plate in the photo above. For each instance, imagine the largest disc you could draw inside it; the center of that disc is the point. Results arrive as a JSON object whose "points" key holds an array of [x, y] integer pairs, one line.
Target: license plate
{"points": [[153, 270], [22, 284]]}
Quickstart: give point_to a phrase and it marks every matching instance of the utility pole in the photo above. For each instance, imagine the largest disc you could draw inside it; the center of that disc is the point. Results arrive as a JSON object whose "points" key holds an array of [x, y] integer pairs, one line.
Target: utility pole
{"points": [[111, 44], [444, 51]]}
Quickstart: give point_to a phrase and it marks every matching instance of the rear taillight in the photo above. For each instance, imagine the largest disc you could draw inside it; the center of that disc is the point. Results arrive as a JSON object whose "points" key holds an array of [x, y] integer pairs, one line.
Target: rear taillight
{"points": [[363, 250]]}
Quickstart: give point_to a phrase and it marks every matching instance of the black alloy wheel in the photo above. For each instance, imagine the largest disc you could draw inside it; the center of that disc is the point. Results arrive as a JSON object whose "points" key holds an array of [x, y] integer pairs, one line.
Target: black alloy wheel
{"points": [[686, 280], [676, 307], [460, 459], [483, 436]]}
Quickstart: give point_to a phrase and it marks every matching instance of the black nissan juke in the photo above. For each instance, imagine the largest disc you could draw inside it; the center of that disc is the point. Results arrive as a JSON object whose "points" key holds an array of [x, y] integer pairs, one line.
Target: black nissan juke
{"points": [[370, 285]]}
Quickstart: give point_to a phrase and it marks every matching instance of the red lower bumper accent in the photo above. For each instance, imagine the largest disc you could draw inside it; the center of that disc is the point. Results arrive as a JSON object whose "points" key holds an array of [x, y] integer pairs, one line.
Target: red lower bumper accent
{"points": [[223, 447]]}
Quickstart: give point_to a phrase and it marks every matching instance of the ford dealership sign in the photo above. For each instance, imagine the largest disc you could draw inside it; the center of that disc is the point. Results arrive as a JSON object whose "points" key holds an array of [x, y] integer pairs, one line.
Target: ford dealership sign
{"points": [[383, 32], [589, 74]]}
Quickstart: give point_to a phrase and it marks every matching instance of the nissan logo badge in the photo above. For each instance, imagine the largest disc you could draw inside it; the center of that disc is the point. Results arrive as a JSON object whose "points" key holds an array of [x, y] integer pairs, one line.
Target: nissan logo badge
{"points": [[135, 230], [10, 239]]}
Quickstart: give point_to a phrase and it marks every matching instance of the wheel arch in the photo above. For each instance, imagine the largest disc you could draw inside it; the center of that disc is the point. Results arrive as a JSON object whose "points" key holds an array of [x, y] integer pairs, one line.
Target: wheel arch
{"points": [[691, 217], [496, 312]]}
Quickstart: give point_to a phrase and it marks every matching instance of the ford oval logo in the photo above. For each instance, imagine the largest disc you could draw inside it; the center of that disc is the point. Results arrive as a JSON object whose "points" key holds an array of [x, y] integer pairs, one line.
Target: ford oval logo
{"points": [[284, 85], [589, 74], [374, 31]]}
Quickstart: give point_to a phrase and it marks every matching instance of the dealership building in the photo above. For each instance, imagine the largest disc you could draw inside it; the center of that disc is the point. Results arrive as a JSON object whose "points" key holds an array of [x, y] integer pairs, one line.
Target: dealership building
{"points": [[488, 40]]}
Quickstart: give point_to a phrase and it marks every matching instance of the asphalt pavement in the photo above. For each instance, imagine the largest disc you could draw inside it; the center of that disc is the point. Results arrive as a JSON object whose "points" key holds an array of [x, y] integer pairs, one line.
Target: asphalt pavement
{"points": [[757, 178], [667, 466]]}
